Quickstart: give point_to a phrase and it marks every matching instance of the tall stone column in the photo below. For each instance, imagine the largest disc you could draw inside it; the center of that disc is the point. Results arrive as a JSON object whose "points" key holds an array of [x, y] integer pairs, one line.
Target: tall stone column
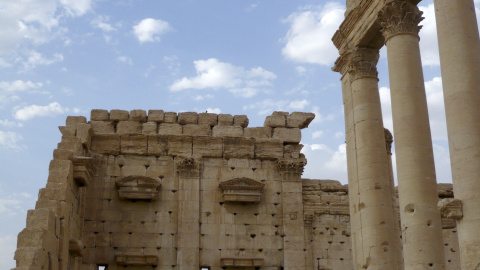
{"points": [[371, 208], [188, 244], [292, 211], [459, 46], [421, 223]]}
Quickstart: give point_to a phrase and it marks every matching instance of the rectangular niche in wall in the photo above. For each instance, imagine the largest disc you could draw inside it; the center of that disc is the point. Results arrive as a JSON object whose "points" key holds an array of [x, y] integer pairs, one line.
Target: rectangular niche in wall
{"points": [[136, 187], [241, 190]]}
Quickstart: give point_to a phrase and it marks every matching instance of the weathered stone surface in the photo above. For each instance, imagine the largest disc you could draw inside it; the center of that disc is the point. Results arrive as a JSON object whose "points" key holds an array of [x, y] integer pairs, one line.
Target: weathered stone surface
{"points": [[299, 119], [180, 146], [149, 128], [257, 132], [156, 116], [99, 115], [240, 120], [208, 118], [138, 115], [268, 148], [225, 119], [73, 121], [170, 117], [157, 145], [133, 144], [185, 118], [106, 144], [450, 208], [198, 130], [118, 115], [207, 147], [129, 127], [170, 129], [227, 131], [102, 127], [287, 135], [85, 133], [238, 147]]}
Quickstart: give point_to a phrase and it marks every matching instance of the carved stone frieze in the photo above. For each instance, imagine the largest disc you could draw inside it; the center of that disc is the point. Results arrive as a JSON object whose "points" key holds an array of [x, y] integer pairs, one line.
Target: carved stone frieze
{"points": [[137, 187], [291, 169], [187, 167], [241, 190], [450, 208], [363, 63], [400, 17]]}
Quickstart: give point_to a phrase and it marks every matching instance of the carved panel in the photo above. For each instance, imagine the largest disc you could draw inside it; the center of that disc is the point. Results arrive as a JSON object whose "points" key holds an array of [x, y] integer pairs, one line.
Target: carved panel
{"points": [[241, 190], [129, 259], [241, 262], [137, 187]]}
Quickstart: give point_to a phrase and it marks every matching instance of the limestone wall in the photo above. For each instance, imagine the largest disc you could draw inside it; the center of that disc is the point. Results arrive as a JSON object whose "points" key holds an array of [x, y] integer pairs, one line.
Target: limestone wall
{"points": [[129, 190]]}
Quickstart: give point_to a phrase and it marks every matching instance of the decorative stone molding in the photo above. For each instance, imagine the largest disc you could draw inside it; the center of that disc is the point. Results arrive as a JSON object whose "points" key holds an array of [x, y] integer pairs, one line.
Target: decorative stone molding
{"points": [[81, 170], [400, 17], [241, 190], [75, 247], [291, 169], [363, 63], [187, 167], [241, 262], [450, 208], [131, 259], [137, 187], [388, 140]]}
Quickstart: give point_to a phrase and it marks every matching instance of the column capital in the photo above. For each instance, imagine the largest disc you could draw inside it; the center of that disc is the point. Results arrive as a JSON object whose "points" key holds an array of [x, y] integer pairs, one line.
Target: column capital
{"points": [[400, 17], [363, 63], [291, 169], [187, 167]]}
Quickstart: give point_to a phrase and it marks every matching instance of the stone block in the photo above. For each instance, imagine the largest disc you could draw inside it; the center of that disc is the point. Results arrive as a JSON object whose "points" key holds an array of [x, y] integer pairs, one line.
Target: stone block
{"points": [[149, 128], [287, 135], [85, 133], [129, 127], [277, 119], [99, 115], [185, 118], [42, 218], [64, 154], [133, 144], [240, 120], [106, 144], [31, 258], [258, 132], [227, 131], [299, 119], [170, 129], [238, 147], [207, 147], [156, 116], [208, 119], [68, 131], [292, 150], [73, 121], [102, 127], [118, 115], [180, 146], [225, 119], [138, 115], [268, 148], [157, 145], [170, 117], [197, 130]]}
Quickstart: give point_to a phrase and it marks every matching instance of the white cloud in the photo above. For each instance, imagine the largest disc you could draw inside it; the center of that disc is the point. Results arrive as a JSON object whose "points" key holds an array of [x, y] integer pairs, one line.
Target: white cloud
{"points": [[213, 110], [330, 164], [33, 111], [309, 38], [319, 117], [149, 30], [317, 134], [9, 140], [300, 70], [214, 74], [8, 123], [35, 58], [338, 134], [267, 106], [125, 59], [298, 104], [76, 7], [18, 85], [200, 97], [100, 22]]}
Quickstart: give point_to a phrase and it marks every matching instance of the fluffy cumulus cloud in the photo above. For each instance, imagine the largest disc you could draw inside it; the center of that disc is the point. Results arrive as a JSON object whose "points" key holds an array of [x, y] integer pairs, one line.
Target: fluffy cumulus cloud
{"points": [[149, 30], [309, 38], [329, 163], [101, 22], [32, 111], [213, 74], [9, 90], [36, 21], [9, 140], [35, 58]]}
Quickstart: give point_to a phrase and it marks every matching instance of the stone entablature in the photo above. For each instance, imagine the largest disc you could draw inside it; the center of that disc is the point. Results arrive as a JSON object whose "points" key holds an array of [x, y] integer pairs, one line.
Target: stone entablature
{"points": [[137, 187]]}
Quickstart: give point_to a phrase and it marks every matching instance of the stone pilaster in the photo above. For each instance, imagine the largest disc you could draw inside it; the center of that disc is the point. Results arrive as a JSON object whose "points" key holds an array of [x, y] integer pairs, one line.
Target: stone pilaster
{"points": [[421, 223], [188, 173], [371, 210], [459, 45], [291, 171]]}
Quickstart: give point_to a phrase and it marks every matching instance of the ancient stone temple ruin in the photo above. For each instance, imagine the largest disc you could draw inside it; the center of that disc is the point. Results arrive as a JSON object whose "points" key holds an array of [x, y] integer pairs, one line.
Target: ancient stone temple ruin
{"points": [[164, 190]]}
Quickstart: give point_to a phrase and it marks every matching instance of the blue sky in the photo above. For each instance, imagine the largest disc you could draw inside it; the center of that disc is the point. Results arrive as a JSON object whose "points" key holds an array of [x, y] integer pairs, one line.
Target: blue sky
{"points": [[66, 57]]}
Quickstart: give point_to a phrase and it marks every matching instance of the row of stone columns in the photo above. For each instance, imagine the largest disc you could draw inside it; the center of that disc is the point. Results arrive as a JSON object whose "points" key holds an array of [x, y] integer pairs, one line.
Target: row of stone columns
{"points": [[375, 240]]}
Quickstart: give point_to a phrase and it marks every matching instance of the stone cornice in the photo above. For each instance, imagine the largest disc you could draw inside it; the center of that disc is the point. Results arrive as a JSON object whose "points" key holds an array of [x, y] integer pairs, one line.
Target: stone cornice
{"points": [[400, 17]]}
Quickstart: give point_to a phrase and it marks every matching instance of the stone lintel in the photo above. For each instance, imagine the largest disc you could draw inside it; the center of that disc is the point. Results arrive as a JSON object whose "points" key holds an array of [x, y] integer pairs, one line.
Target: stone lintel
{"points": [[81, 170], [241, 262], [136, 187], [241, 190]]}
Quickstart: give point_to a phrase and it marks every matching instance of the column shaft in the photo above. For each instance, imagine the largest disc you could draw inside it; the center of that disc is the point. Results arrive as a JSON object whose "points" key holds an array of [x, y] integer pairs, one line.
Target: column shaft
{"points": [[420, 218], [460, 63]]}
